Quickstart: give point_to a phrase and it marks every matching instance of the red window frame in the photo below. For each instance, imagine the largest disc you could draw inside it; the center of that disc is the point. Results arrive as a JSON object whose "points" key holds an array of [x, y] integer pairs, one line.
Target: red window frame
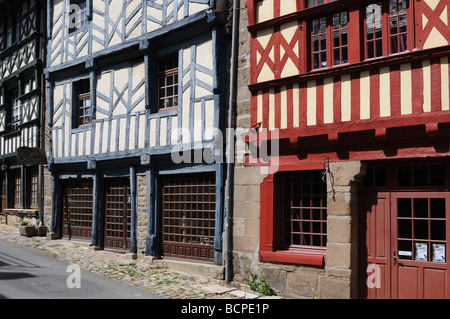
{"points": [[387, 39], [326, 56], [271, 225], [315, 3]]}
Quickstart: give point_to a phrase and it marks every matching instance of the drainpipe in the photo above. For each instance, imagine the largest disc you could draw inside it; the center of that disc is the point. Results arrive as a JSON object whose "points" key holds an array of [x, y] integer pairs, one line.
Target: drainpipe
{"points": [[230, 145]]}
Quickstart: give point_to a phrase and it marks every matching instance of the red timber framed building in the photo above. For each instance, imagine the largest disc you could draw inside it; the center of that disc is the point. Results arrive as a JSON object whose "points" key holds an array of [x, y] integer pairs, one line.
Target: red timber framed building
{"points": [[358, 205]]}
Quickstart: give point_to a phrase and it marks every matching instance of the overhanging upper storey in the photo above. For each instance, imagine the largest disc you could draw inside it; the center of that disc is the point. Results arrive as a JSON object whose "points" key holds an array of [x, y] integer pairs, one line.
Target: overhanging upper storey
{"points": [[331, 67], [82, 29], [134, 79]]}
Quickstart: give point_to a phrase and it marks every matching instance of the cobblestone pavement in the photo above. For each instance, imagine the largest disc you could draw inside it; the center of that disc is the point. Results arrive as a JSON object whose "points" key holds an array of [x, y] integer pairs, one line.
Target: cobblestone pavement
{"points": [[162, 281]]}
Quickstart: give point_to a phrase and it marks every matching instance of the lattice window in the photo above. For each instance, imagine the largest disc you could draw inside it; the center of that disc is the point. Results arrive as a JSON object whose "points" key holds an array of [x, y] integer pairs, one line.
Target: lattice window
{"points": [[422, 229], [168, 83], [313, 3], [340, 38], [77, 15], [319, 43], [17, 188], [83, 102], [398, 25], [304, 209], [326, 52], [189, 204], [383, 21], [34, 194], [15, 111], [374, 30]]}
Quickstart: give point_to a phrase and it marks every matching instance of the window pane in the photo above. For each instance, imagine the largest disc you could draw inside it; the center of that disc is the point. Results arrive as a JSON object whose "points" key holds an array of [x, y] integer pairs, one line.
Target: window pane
{"points": [[298, 224], [437, 207], [323, 25], [374, 30]]}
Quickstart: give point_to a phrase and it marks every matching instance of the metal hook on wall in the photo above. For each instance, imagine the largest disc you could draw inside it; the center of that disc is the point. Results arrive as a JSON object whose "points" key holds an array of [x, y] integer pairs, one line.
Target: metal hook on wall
{"points": [[327, 171]]}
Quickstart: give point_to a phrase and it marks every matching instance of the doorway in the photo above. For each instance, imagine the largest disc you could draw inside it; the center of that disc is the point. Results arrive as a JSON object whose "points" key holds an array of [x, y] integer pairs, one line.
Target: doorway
{"points": [[404, 235], [118, 215]]}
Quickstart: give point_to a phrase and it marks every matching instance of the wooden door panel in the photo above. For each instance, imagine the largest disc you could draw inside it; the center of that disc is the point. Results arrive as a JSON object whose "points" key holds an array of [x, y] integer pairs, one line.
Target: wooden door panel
{"points": [[188, 216], [434, 283], [407, 284], [78, 207], [419, 222], [375, 252], [117, 215]]}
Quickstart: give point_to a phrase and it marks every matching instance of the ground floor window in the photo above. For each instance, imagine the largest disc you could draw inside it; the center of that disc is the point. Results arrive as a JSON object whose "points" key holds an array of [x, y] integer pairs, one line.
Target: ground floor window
{"points": [[304, 208], [188, 204], [294, 217]]}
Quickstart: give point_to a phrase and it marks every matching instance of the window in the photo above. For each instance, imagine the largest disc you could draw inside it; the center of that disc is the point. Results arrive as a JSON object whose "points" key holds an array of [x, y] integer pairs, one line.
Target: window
{"points": [[17, 188], [325, 53], [168, 83], [313, 3], [319, 43], [77, 15], [374, 35], [304, 207], [294, 217], [15, 111], [83, 104], [34, 178], [340, 38], [421, 229], [377, 30], [397, 25]]}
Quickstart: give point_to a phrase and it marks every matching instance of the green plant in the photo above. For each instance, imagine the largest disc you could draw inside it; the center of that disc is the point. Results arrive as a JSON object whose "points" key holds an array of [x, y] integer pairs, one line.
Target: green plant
{"points": [[260, 285], [24, 223]]}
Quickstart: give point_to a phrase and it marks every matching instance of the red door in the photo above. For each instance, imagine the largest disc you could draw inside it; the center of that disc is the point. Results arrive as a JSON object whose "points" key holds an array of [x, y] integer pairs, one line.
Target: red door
{"points": [[403, 253], [420, 231], [375, 252]]}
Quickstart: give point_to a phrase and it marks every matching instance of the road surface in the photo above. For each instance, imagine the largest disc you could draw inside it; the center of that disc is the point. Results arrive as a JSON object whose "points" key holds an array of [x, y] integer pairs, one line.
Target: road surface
{"points": [[30, 273]]}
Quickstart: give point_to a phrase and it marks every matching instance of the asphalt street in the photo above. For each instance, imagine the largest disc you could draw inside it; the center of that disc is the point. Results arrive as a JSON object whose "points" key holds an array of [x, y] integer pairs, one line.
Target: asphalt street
{"points": [[27, 273]]}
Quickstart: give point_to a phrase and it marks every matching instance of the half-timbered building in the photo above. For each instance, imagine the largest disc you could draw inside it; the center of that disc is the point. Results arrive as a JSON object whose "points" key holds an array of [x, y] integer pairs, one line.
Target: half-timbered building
{"points": [[22, 92], [136, 89], [358, 202]]}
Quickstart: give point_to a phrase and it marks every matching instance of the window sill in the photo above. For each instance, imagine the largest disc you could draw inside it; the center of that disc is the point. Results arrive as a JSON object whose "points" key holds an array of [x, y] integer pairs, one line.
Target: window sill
{"points": [[304, 258]]}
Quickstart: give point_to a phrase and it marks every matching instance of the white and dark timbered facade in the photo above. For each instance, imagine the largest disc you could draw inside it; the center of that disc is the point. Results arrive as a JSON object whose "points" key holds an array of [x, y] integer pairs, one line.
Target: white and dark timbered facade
{"points": [[22, 52], [130, 84]]}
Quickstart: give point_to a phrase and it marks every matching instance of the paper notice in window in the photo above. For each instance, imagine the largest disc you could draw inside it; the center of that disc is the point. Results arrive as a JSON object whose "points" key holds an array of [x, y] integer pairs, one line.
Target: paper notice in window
{"points": [[421, 251], [439, 253]]}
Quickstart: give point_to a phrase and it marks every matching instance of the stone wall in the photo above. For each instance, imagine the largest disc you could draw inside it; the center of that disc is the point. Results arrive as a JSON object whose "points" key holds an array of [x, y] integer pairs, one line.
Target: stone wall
{"points": [[142, 213]]}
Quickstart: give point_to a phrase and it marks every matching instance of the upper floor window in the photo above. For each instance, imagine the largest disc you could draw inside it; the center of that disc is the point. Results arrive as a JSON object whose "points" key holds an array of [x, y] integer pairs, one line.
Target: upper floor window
{"points": [[386, 28], [168, 83], [326, 52], [313, 3], [9, 33], [83, 104], [77, 15], [15, 111], [397, 25]]}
